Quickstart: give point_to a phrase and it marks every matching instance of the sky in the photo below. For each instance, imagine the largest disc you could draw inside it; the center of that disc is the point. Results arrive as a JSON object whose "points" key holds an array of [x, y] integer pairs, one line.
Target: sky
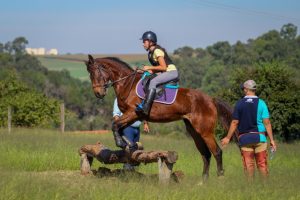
{"points": [[115, 26]]}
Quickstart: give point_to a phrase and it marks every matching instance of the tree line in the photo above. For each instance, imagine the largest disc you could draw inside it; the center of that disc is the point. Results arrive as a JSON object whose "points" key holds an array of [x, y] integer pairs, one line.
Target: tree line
{"points": [[271, 59]]}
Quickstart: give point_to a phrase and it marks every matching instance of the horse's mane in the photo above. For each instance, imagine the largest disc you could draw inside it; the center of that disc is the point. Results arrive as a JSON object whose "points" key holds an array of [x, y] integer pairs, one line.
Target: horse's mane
{"points": [[118, 60]]}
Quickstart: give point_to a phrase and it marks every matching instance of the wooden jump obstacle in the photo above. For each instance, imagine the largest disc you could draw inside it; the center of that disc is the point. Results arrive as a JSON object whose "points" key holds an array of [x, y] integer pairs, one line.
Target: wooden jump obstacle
{"points": [[165, 159]]}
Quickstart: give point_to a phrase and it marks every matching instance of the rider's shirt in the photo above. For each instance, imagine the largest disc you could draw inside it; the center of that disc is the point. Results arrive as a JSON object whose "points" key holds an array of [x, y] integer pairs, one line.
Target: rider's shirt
{"points": [[250, 111], [159, 52]]}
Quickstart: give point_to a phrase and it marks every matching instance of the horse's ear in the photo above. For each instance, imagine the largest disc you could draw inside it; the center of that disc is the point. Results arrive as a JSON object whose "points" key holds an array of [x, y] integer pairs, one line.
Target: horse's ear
{"points": [[91, 59]]}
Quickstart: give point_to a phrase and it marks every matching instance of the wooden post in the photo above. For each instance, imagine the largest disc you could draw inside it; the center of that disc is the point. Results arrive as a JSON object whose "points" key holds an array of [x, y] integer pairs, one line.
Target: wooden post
{"points": [[9, 119], [62, 117], [164, 171], [85, 167]]}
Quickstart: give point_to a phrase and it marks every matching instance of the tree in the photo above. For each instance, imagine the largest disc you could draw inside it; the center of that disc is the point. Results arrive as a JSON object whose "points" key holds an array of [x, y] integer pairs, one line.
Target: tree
{"points": [[242, 54], [185, 52], [288, 31], [19, 44], [215, 76], [269, 47], [200, 53], [1, 48], [221, 51], [280, 91], [31, 109]]}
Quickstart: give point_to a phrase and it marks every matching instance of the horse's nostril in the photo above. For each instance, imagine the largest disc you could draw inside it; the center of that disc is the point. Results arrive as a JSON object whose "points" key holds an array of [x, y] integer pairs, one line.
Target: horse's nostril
{"points": [[97, 94]]}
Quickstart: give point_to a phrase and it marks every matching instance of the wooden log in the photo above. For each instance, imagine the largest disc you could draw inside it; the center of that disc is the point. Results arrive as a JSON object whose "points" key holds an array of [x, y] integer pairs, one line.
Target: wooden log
{"points": [[165, 159], [107, 156]]}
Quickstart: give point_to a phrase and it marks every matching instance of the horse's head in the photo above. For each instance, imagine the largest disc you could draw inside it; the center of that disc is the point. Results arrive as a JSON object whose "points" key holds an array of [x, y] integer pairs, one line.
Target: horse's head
{"points": [[99, 77]]}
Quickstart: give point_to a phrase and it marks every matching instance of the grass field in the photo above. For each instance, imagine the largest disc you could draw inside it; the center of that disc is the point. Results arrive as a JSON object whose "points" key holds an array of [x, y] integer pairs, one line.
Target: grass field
{"points": [[75, 65], [44, 164]]}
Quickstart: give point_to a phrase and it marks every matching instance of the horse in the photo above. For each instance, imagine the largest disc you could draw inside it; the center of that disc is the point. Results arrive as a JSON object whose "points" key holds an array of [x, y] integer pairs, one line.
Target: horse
{"points": [[199, 111]]}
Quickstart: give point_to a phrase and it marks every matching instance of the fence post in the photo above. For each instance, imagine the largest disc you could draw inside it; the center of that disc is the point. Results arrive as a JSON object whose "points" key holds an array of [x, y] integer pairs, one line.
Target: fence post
{"points": [[9, 119], [62, 117], [164, 171]]}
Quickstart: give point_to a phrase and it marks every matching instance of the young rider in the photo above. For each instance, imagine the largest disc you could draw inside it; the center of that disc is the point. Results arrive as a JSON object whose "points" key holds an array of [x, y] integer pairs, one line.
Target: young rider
{"points": [[162, 65]]}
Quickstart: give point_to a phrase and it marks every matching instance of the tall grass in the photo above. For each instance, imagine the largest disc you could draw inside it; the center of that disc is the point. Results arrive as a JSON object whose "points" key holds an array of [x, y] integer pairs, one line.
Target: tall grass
{"points": [[43, 164]]}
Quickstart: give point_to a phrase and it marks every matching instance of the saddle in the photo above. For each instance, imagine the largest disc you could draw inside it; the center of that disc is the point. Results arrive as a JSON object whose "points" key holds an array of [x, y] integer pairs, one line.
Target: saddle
{"points": [[160, 89], [165, 93]]}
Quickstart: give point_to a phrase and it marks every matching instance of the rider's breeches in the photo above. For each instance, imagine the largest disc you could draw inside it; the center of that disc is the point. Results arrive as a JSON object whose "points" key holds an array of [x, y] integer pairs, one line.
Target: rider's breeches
{"points": [[163, 78], [257, 152]]}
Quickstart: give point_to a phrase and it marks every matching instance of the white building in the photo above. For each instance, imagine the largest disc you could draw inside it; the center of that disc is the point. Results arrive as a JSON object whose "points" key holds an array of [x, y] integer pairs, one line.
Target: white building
{"points": [[52, 52], [41, 51]]}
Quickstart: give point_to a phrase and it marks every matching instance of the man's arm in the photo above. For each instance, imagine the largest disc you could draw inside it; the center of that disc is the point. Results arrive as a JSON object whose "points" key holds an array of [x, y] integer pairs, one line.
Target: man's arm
{"points": [[232, 128], [146, 127], [116, 112], [268, 126]]}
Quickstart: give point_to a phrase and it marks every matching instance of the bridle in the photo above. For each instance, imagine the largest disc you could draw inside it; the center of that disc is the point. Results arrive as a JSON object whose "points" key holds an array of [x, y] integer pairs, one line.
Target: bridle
{"points": [[107, 84]]}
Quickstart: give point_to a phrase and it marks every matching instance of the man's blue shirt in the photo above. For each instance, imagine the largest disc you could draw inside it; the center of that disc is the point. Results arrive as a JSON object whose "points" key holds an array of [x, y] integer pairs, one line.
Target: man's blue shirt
{"points": [[250, 111]]}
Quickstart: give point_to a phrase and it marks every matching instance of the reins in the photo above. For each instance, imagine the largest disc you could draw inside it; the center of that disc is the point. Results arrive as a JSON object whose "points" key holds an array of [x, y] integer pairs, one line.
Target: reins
{"points": [[110, 84], [107, 85]]}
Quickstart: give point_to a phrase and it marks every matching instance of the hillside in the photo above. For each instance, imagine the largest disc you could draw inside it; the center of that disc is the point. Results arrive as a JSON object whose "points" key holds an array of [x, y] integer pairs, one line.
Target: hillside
{"points": [[75, 63]]}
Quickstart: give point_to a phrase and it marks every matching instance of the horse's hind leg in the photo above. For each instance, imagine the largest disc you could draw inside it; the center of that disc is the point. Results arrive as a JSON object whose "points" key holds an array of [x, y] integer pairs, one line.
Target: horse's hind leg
{"points": [[206, 130], [219, 160], [212, 145], [202, 148]]}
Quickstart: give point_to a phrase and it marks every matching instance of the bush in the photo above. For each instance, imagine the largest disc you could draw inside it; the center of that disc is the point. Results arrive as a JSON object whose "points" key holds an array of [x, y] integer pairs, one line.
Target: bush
{"points": [[278, 89], [30, 108]]}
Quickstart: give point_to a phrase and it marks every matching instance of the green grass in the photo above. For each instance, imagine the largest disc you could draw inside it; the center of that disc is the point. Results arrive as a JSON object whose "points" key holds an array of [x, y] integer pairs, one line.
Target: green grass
{"points": [[76, 69], [44, 164]]}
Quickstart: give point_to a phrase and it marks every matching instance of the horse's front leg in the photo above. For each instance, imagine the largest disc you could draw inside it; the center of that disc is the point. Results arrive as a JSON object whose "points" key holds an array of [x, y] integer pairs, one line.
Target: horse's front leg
{"points": [[119, 124]]}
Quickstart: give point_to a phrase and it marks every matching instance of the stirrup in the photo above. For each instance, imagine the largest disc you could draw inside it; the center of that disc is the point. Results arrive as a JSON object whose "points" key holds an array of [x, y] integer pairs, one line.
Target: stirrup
{"points": [[140, 107]]}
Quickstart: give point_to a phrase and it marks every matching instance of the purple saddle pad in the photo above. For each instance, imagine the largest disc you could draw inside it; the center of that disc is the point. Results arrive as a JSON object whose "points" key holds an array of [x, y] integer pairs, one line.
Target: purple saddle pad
{"points": [[168, 96]]}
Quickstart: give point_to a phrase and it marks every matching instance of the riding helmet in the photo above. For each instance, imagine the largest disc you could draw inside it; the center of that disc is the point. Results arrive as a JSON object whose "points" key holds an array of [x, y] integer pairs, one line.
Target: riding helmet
{"points": [[149, 35]]}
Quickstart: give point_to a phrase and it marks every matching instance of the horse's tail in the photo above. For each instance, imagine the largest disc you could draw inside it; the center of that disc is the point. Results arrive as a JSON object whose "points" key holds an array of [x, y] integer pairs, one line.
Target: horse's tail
{"points": [[224, 114]]}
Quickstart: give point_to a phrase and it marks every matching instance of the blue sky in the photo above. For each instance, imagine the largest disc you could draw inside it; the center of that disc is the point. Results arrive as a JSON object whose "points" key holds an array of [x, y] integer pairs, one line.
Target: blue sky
{"points": [[115, 26]]}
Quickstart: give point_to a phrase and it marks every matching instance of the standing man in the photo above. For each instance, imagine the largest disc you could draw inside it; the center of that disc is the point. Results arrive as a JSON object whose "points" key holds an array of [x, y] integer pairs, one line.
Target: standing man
{"points": [[131, 133], [251, 118]]}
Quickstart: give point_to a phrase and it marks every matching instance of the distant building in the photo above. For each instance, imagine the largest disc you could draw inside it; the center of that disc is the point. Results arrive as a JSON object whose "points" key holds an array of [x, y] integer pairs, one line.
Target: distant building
{"points": [[41, 51], [52, 52]]}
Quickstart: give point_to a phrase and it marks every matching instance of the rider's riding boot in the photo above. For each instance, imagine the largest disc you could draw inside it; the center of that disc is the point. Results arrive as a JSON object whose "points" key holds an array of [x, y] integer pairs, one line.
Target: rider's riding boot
{"points": [[145, 106], [261, 162], [149, 101]]}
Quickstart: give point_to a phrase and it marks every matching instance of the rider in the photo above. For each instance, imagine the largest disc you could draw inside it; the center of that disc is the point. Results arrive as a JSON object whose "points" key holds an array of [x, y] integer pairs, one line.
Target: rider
{"points": [[162, 65]]}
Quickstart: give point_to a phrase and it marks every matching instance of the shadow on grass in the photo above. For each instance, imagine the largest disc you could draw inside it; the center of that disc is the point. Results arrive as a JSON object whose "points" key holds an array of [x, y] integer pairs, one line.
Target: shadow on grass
{"points": [[129, 175]]}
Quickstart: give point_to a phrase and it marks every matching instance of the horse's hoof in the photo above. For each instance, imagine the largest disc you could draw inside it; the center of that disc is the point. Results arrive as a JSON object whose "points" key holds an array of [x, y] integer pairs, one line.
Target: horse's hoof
{"points": [[200, 183], [220, 173]]}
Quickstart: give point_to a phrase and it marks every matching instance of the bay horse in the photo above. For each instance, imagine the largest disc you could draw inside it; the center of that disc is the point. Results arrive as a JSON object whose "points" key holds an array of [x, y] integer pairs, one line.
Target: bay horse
{"points": [[198, 111]]}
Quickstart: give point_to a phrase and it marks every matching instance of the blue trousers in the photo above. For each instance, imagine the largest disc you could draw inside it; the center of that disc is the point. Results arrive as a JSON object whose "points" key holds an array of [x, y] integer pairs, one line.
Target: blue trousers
{"points": [[131, 133]]}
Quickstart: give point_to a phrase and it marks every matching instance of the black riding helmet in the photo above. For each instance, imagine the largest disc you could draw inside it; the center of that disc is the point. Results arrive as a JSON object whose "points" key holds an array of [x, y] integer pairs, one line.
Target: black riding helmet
{"points": [[149, 35]]}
